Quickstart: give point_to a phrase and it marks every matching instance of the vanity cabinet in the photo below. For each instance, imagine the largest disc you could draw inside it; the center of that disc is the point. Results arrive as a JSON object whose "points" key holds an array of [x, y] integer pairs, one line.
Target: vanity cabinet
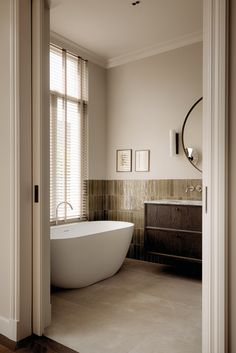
{"points": [[174, 230]]}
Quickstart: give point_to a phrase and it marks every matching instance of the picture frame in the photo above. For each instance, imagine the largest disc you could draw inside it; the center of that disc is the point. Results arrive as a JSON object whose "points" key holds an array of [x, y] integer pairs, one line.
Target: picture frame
{"points": [[124, 160], [142, 160]]}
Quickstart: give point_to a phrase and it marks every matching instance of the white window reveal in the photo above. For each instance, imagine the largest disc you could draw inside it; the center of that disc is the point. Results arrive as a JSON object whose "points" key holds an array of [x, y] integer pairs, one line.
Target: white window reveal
{"points": [[68, 134]]}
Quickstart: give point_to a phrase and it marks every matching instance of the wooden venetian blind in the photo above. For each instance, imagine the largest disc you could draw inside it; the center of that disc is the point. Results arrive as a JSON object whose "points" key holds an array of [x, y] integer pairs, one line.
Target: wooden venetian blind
{"points": [[68, 134]]}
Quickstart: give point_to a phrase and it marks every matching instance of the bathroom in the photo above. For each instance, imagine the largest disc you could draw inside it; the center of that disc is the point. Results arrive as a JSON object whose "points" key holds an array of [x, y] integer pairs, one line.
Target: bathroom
{"points": [[139, 95]]}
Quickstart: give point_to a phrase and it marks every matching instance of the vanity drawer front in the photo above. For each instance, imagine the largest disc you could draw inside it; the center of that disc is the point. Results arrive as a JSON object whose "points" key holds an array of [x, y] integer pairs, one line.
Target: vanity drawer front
{"points": [[182, 244], [174, 217]]}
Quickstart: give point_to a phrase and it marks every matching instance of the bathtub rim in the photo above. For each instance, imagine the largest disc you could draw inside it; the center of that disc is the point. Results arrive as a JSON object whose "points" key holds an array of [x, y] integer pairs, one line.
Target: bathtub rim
{"points": [[91, 232]]}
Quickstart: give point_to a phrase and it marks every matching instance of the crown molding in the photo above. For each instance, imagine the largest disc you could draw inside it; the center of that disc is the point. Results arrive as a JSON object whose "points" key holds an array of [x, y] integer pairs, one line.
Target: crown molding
{"points": [[179, 42], [155, 49], [65, 43]]}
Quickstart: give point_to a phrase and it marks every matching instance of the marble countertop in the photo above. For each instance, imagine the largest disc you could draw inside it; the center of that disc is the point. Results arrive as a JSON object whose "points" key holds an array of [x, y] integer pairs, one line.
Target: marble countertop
{"points": [[176, 202]]}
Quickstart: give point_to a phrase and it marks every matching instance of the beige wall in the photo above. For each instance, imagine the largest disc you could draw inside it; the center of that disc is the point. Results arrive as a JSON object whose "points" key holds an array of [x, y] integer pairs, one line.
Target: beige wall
{"points": [[232, 178], [5, 146], [97, 122], [145, 99], [135, 105]]}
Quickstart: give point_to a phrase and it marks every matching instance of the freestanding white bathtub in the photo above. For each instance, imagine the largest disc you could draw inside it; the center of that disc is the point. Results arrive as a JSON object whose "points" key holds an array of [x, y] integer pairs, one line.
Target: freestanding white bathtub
{"points": [[88, 252]]}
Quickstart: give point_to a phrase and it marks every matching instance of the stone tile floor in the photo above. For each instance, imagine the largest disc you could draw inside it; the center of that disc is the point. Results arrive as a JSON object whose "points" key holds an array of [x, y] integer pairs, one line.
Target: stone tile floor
{"points": [[144, 308]]}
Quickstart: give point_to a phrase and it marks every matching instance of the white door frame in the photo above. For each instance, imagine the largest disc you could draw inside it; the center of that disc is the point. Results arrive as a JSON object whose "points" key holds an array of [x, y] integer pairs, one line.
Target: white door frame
{"points": [[214, 185], [214, 312], [41, 308]]}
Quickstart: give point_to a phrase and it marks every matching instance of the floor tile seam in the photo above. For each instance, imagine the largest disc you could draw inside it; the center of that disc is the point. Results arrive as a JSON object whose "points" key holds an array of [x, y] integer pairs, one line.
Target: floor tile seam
{"points": [[148, 295], [84, 344], [99, 312], [147, 320], [65, 301], [86, 302], [146, 273], [128, 291], [132, 316], [172, 301], [155, 297]]}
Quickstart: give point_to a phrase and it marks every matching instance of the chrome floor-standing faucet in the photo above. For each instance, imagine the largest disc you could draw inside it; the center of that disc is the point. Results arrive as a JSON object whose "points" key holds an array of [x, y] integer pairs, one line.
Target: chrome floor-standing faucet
{"points": [[60, 203]]}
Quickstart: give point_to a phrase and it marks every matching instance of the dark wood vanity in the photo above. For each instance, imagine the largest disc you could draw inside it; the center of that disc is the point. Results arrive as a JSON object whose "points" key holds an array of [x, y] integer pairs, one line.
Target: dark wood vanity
{"points": [[173, 229]]}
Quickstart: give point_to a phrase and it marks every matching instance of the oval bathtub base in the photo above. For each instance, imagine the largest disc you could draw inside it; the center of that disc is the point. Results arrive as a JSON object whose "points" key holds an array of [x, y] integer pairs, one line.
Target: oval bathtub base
{"points": [[96, 253]]}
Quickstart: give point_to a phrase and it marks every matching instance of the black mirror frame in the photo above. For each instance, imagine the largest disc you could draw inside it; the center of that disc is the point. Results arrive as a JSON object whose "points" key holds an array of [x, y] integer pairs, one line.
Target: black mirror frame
{"points": [[182, 133]]}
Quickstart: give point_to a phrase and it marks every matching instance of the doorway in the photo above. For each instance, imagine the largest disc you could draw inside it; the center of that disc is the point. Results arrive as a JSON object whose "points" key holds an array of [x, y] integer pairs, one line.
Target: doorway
{"points": [[213, 181]]}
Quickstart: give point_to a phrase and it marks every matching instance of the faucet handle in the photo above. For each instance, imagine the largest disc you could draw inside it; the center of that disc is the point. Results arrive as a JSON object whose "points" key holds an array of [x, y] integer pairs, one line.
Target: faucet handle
{"points": [[198, 188]]}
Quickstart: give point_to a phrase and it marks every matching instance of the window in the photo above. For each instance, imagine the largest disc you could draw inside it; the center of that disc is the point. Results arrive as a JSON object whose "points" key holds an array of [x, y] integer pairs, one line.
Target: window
{"points": [[68, 134]]}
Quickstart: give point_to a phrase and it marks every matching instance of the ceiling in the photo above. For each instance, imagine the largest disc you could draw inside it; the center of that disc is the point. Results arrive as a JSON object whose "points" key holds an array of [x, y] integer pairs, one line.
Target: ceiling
{"points": [[116, 28]]}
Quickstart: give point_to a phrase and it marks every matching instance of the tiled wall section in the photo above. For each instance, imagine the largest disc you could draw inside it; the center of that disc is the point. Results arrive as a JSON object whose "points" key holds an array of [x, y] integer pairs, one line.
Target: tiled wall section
{"points": [[123, 200]]}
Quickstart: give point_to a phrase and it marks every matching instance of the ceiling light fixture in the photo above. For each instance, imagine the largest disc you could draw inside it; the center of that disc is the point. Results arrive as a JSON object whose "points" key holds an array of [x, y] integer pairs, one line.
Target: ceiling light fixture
{"points": [[135, 3]]}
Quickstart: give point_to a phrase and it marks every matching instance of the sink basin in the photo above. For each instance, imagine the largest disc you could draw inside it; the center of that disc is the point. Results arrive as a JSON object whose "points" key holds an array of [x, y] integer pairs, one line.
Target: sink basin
{"points": [[176, 202]]}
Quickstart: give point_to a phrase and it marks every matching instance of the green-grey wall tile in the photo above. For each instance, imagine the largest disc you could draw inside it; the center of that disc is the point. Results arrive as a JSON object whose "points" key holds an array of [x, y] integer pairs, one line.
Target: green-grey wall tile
{"points": [[123, 200]]}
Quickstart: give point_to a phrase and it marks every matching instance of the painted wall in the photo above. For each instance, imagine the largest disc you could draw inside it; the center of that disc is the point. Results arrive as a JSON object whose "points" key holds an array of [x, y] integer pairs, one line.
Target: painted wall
{"points": [[97, 121], [232, 177], [145, 99], [135, 105]]}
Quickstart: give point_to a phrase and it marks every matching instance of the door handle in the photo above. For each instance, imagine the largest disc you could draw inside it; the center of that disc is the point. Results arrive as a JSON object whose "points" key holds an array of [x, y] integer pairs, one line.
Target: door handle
{"points": [[36, 193]]}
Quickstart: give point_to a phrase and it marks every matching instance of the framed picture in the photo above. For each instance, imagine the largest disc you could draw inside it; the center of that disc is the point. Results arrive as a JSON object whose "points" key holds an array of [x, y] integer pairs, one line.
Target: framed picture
{"points": [[142, 160], [123, 160]]}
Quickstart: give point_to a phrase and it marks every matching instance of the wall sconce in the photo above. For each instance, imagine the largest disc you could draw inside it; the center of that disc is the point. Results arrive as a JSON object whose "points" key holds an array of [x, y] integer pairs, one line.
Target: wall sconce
{"points": [[174, 143], [192, 154]]}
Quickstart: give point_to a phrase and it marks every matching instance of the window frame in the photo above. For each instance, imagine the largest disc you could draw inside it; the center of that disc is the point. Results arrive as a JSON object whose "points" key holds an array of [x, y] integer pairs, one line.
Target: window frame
{"points": [[82, 104]]}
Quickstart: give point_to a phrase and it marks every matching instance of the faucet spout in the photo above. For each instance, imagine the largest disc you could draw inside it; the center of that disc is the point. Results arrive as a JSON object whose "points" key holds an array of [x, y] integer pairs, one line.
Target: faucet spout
{"points": [[190, 188], [59, 204]]}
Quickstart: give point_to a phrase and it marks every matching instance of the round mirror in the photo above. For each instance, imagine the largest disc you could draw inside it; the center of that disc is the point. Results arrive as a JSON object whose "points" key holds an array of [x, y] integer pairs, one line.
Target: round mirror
{"points": [[192, 135]]}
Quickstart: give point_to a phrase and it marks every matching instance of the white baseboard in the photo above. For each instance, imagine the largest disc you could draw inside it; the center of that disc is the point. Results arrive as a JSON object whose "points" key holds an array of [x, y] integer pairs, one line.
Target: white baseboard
{"points": [[8, 328]]}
